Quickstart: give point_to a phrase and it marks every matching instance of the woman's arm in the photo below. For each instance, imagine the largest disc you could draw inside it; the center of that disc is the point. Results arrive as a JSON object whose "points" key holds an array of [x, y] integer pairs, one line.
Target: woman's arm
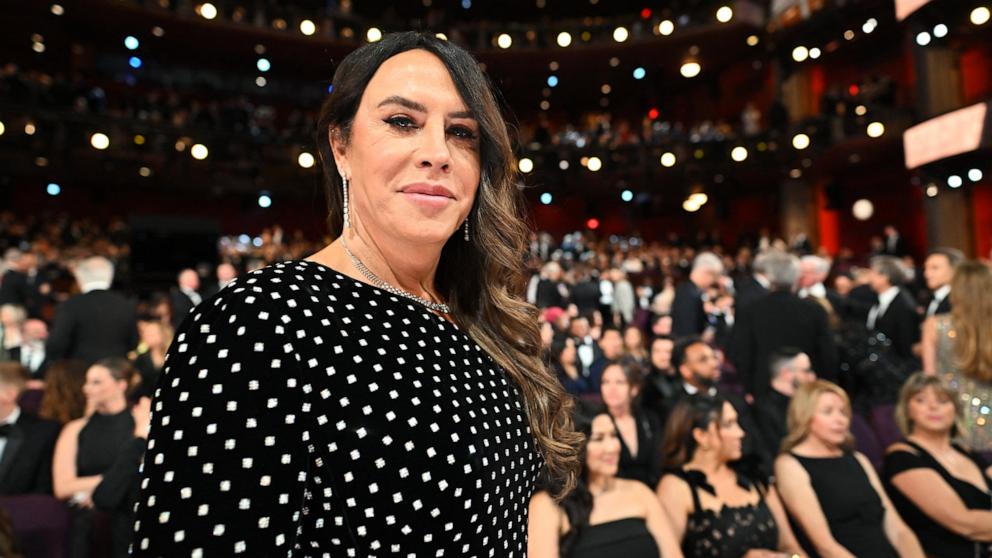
{"points": [[928, 345], [800, 499], [935, 498], [543, 526], [659, 523], [676, 500], [65, 482], [901, 537], [786, 538]]}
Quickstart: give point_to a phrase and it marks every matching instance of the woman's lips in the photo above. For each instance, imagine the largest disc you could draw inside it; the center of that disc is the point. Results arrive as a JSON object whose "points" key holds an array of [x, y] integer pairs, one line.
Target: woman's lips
{"points": [[428, 200]]}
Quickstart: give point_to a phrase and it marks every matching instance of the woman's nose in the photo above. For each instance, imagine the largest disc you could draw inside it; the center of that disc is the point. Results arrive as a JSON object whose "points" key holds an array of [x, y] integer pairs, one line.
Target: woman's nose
{"points": [[433, 151]]}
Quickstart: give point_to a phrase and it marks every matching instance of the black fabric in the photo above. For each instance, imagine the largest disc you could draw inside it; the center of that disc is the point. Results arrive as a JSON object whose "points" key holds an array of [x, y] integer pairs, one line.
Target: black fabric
{"points": [[850, 504], [731, 531], [659, 388], [748, 290], [149, 374], [181, 305], [688, 314], [646, 466], [26, 462], [770, 415], [781, 319], [329, 417], [92, 326], [585, 295], [628, 537], [936, 539], [901, 324], [549, 294]]}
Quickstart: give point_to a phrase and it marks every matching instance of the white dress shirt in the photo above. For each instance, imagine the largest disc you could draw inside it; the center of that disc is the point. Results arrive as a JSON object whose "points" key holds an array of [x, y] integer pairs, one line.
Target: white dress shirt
{"points": [[938, 296], [884, 300]]}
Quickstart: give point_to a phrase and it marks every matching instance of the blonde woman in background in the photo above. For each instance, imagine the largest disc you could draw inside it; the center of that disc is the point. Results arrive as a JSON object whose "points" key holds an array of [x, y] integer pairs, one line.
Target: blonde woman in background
{"points": [[958, 347], [832, 490]]}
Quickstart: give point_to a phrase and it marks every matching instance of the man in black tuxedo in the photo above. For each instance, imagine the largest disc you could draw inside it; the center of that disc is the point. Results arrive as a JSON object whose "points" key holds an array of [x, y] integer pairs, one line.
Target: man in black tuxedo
{"points": [[96, 324], [22, 284], [699, 368], [31, 352], [781, 319], [688, 314], [225, 274], [185, 296], [813, 272], [894, 244], [895, 312], [790, 368], [752, 287], [938, 270], [26, 441]]}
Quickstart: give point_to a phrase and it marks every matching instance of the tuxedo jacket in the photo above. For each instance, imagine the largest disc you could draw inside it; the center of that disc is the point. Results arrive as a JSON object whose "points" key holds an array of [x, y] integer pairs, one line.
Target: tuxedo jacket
{"points": [[901, 324], [92, 326], [26, 463], [688, 314], [181, 305], [748, 290]]}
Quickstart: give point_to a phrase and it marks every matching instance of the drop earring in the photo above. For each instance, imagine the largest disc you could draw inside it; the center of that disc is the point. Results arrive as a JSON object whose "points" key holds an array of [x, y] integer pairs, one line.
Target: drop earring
{"points": [[467, 237], [344, 191]]}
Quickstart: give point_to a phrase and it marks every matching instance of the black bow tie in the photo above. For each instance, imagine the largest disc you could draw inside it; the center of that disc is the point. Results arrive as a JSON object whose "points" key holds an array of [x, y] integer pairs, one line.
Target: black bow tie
{"points": [[6, 429]]}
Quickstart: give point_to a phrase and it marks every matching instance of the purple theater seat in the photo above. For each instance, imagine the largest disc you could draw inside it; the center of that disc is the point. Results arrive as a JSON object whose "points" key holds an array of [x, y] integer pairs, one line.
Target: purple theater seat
{"points": [[883, 422], [30, 400], [41, 524], [866, 442]]}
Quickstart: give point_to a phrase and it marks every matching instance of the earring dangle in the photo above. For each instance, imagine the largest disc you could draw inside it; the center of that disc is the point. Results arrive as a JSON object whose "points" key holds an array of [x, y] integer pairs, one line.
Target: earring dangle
{"points": [[467, 238], [344, 191]]}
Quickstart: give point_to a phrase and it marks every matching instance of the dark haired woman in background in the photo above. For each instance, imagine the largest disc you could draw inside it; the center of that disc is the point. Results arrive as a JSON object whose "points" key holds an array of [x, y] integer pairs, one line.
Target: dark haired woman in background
{"points": [[639, 430], [604, 515], [717, 511], [89, 447], [565, 363], [832, 490], [941, 489], [387, 395]]}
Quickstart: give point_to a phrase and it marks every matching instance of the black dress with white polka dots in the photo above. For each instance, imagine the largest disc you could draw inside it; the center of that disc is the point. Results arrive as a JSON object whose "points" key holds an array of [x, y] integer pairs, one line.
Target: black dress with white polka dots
{"points": [[303, 413]]}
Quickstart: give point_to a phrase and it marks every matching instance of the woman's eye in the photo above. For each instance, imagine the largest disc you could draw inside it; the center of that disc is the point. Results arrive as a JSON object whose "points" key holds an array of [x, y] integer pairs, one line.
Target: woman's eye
{"points": [[400, 122], [462, 132]]}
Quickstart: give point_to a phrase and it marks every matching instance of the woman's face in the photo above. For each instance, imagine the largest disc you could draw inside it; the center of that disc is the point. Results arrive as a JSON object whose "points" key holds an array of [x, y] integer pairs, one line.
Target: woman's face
{"points": [[831, 421], [731, 434], [100, 386], [603, 449], [632, 339], [413, 156], [151, 333], [615, 388], [661, 353], [931, 410], [568, 354]]}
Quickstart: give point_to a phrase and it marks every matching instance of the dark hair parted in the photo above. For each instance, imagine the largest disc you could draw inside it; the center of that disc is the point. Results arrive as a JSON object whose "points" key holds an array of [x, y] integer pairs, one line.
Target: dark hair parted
{"points": [[696, 411], [482, 280]]}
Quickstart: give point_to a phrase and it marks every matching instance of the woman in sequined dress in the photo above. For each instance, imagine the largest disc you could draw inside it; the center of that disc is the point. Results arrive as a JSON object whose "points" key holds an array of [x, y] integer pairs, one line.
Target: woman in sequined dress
{"points": [[958, 346]]}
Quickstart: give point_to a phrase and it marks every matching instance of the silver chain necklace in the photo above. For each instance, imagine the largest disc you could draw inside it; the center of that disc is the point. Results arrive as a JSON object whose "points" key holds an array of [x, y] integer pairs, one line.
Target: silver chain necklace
{"points": [[374, 279]]}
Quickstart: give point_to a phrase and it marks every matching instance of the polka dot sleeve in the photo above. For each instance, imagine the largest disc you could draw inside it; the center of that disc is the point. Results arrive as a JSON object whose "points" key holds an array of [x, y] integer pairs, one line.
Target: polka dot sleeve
{"points": [[227, 460]]}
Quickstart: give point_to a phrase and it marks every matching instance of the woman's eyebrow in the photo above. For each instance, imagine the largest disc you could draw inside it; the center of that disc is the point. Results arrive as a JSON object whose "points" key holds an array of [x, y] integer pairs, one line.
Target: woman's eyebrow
{"points": [[415, 106]]}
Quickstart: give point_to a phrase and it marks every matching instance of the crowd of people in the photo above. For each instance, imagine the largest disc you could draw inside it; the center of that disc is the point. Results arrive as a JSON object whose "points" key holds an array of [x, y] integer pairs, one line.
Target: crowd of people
{"points": [[721, 392]]}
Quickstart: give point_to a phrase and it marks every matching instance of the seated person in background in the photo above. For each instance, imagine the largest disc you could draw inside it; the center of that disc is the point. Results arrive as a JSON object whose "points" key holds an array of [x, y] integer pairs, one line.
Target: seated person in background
{"points": [[639, 429], [610, 349], [565, 363], [716, 510], [89, 448], [790, 368], [26, 441], [940, 488], [830, 489], [662, 381], [604, 515]]}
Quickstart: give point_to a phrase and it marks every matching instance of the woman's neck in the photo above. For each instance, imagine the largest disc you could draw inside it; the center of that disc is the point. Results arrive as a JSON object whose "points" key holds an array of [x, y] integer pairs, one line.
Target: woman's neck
{"points": [[599, 484], [815, 447], [937, 442], [621, 411], [709, 462], [112, 407]]}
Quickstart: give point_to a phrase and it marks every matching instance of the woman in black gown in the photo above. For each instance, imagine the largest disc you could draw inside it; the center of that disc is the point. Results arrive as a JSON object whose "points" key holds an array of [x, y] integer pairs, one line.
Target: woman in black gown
{"points": [[385, 395], [832, 490], [718, 511], [940, 488], [605, 515], [639, 430]]}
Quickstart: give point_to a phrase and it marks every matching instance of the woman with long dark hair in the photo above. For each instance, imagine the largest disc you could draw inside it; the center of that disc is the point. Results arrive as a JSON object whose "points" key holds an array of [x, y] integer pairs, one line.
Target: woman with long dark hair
{"points": [[386, 394], [717, 510], [604, 515], [639, 430]]}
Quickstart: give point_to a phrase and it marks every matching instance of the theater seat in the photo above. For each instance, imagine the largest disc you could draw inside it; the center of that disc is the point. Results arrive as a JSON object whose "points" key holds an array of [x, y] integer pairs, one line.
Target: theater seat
{"points": [[41, 524], [883, 422], [866, 441]]}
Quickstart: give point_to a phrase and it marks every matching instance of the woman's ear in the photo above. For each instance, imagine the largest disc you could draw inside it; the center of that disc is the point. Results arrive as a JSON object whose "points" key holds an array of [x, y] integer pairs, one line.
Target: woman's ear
{"points": [[702, 438], [337, 142]]}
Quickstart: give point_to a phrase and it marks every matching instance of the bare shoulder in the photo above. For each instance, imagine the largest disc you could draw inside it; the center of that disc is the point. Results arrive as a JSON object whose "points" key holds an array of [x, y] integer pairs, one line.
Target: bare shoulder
{"points": [[900, 446], [636, 489], [786, 466]]}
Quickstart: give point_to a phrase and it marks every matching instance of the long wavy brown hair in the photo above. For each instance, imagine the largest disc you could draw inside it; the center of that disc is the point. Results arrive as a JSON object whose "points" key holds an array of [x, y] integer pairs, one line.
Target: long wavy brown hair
{"points": [[63, 400], [971, 311], [481, 280]]}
